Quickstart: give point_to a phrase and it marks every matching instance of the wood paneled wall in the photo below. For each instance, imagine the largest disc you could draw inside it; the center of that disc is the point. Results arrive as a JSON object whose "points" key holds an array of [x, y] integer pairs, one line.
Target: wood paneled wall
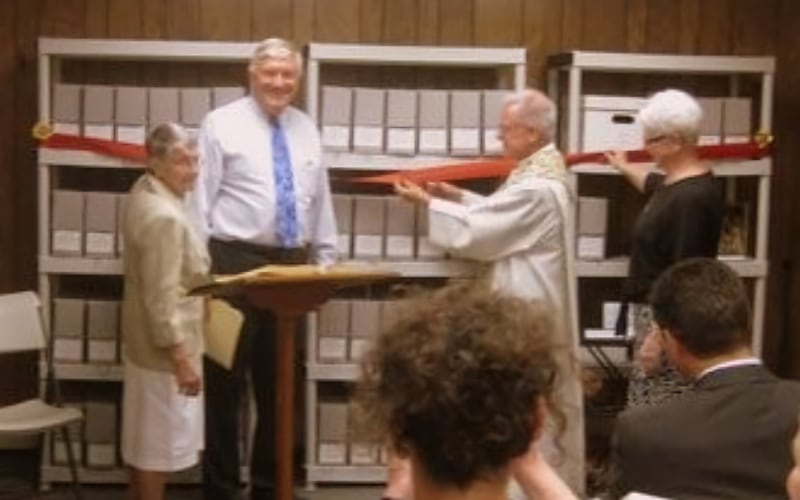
{"points": [[739, 27]]}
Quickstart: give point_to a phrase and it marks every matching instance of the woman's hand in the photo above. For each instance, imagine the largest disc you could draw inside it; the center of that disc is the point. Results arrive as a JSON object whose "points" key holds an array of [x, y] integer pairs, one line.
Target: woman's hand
{"points": [[411, 192], [650, 353], [617, 159], [444, 190], [186, 374]]}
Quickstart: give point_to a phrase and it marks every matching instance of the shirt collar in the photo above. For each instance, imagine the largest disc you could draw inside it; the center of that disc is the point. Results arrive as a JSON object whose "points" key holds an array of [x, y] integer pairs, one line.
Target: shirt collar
{"points": [[748, 361]]}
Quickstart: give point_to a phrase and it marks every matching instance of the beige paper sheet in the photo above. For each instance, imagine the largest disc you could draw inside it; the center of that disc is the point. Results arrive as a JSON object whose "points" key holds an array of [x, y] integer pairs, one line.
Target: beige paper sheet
{"points": [[223, 325]]}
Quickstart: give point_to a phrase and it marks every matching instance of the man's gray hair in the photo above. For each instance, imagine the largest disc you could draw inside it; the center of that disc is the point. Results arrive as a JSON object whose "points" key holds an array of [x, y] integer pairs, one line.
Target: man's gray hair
{"points": [[672, 112], [276, 48], [535, 110], [163, 139]]}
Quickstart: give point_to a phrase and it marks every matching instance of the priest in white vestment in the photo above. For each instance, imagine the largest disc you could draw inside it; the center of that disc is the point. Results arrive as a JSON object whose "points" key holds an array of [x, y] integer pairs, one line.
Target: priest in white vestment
{"points": [[521, 231]]}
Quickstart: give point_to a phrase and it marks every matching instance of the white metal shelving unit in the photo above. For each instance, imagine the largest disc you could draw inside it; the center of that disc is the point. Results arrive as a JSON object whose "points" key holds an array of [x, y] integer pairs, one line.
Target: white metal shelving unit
{"points": [[52, 53], [573, 66], [510, 63]]}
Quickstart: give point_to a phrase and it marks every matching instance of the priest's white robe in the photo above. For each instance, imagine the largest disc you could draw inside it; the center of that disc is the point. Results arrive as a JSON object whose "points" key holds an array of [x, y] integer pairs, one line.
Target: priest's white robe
{"points": [[521, 232]]}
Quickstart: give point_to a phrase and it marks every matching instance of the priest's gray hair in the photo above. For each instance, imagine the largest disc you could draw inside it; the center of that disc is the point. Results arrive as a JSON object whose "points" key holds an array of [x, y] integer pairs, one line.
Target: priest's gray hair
{"points": [[535, 110], [276, 48], [672, 112], [162, 141]]}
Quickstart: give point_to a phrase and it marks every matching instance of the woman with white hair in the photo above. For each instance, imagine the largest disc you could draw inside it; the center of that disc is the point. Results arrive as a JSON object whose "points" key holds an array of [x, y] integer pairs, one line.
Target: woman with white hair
{"points": [[682, 219], [162, 411]]}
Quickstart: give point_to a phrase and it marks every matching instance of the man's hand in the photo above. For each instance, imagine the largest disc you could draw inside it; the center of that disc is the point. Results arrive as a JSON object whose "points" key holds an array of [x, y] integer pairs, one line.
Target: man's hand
{"points": [[411, 192]]}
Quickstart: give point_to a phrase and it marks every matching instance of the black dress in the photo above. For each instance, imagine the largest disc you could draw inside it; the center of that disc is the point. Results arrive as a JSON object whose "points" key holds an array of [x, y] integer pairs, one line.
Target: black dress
{"points": [[679, 221]]}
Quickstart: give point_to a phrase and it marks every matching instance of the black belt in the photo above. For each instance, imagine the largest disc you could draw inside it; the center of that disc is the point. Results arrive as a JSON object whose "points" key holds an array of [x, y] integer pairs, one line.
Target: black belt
{"points": [[281, 255]]}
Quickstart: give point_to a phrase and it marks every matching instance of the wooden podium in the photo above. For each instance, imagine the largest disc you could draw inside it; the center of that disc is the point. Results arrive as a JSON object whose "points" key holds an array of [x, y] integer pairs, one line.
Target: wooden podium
{"points": [[290, 291]]}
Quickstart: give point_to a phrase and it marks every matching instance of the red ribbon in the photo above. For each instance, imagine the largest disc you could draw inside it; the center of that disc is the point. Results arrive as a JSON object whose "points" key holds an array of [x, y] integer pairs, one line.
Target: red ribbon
{"points": [[124, 150], [500, 167], [476, 169]]}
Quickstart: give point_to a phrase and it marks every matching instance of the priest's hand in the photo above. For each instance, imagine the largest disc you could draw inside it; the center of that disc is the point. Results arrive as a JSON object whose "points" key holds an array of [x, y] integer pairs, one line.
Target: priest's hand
{"points": [[411, 192], [444, 190]]}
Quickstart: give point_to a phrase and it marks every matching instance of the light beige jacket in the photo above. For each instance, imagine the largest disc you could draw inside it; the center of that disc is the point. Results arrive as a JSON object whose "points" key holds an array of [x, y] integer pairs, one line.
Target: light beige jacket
{"points": [[164, 257]]}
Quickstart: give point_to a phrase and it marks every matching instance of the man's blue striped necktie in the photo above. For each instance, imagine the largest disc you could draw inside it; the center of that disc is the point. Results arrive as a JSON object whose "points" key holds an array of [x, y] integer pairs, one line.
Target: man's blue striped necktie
{"points": [[286, 211]]}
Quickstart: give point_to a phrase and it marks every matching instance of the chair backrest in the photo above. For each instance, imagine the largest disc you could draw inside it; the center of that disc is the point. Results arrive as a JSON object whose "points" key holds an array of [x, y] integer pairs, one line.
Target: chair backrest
{"points": [[20, 323]]}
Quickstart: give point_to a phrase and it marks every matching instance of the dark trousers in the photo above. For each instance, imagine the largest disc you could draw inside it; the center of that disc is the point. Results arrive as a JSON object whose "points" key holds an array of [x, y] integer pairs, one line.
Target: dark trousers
{"points": [[225, 389]]}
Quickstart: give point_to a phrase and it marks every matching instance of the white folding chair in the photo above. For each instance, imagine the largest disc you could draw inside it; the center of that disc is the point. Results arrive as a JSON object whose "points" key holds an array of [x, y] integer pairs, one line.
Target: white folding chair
{"points": [[21, 329]]}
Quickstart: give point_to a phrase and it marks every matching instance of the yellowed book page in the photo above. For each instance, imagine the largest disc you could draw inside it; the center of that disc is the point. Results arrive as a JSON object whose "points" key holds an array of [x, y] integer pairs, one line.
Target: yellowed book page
{"points": [[223, 325]]}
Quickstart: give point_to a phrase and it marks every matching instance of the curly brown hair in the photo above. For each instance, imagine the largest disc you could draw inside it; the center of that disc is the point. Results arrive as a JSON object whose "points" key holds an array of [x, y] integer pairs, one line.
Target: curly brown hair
{"points": [[456, 381]]}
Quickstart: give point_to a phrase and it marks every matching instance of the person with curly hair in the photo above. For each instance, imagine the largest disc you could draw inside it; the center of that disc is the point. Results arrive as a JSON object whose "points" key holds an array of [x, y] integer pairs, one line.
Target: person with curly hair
{"points": [[461, 384]]}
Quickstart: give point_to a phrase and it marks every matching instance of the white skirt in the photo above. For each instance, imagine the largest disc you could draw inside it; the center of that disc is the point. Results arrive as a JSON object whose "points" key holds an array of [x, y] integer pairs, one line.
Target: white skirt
{"points": [[162, 430]]}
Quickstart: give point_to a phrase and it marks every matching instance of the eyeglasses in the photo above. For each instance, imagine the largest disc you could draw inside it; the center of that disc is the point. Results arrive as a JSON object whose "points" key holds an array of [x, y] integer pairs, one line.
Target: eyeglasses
{"points": [[653, 140]]}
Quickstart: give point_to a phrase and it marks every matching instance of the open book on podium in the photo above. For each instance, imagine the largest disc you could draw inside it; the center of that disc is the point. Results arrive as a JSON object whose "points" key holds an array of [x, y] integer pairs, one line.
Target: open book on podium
{"points": [[343, 275], [224, 322]]}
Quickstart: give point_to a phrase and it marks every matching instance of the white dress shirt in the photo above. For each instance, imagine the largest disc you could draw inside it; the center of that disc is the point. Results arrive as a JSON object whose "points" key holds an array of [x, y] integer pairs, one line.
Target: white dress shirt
{"points": [[235, 196]]}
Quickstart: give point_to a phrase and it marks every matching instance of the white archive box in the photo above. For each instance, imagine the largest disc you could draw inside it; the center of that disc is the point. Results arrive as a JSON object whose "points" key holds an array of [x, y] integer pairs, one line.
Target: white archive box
{"points": [[711, 124], [163, 105], [69, 329], [343, 210], [425, 249], [368, 226], [122, 205], [101, 434], [433, 109], [59, 454], [98, 111], [102, 331], [195, 103], [333, 327], [368, 120], [332, 433], [100, 226], [465, 122], [611, 122], [591, 227], [399, 229], [130, 115], [221, 96], [611, 313], [66, 108], [737, 124], [492, 108], [66, 220], [401, 121], [365, 324], [337, 117]]}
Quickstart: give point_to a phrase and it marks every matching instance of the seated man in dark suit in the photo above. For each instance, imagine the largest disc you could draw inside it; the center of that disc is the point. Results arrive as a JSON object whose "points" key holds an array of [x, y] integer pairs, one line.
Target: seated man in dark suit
{"points": [[727, 439]]}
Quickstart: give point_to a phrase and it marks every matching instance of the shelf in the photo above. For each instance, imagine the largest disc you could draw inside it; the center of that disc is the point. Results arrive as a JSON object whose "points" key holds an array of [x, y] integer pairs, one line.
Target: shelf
{"points": [[660, 63], [60, 474], [345, 372], [431, 269], [85, 371], [386, 55], [146, 50], [346, 473], [79, 265], [762, 167], [73, 158], [359, 161], [618, 267]]}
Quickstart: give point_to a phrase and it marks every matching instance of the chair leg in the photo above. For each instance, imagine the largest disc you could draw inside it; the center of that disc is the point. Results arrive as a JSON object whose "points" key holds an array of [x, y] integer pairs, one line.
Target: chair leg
{"points": [[73, 467]]}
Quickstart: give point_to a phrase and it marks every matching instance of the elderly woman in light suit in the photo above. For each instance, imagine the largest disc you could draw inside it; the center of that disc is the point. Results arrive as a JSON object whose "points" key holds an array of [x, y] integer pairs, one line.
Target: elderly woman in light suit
{"points": [[162, 415]]}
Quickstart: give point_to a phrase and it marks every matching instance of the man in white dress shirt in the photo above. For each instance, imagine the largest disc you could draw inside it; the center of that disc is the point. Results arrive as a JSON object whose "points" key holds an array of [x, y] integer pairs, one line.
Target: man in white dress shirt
{"points": [[521, 230], [262, 197]]}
